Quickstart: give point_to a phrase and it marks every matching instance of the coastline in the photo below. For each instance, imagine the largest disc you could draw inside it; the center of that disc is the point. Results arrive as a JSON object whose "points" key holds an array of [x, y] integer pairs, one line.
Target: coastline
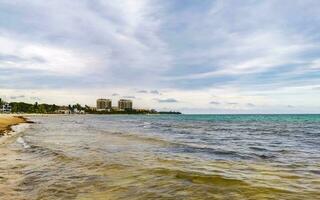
{"points": [[10, 126], [7, 121]]}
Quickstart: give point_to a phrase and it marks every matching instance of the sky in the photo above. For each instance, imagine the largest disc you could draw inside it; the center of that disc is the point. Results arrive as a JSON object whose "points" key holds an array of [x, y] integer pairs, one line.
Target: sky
{"points": [[207, 56]]}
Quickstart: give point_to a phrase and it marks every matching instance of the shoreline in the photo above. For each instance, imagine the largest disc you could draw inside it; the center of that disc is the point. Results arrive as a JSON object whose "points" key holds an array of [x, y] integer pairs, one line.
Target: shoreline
{"points": [[10, 128], [7, 121]]}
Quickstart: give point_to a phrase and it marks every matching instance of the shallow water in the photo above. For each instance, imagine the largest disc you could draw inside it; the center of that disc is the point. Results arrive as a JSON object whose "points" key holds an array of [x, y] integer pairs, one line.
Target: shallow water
{"points": [[164, 157]]}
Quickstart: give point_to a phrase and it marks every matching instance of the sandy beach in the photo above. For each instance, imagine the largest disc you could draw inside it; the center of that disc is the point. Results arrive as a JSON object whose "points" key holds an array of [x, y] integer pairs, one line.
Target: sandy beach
{"points": [[6, 121]]}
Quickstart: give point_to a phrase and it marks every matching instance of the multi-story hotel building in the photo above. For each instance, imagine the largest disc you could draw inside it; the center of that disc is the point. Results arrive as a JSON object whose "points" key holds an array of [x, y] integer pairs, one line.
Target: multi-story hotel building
{"points": [[125, 104], [104, 104]]}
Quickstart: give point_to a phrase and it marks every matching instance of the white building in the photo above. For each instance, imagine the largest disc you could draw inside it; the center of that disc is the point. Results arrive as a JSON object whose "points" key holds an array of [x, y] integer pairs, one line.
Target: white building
{"points": [[63, 111], [125, 104], [104, 104], [6, 108]]}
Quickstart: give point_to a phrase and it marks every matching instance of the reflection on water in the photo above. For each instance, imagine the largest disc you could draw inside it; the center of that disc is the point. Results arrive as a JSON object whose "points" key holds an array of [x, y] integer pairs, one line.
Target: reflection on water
{"points": [[164, 157]]}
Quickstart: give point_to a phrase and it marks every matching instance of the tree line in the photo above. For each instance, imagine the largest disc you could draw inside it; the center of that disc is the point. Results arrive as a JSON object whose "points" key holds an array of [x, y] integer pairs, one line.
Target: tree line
{"points": [[22, 107]]}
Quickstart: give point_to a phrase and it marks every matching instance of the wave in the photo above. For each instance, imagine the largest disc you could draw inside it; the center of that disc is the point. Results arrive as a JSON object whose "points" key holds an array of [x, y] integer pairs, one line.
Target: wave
{"points": [[182, 147], [20, 127], [48, 152], [15, 130], [21, 141], [219, 182]]}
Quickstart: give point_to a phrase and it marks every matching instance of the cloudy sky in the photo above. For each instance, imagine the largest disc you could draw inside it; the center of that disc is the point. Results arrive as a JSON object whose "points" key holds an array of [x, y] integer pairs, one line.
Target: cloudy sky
{"points": [[206, 56]]}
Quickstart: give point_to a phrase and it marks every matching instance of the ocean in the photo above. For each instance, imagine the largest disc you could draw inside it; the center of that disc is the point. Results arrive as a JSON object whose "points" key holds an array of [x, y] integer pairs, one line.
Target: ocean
{"points": [[164, 157]]}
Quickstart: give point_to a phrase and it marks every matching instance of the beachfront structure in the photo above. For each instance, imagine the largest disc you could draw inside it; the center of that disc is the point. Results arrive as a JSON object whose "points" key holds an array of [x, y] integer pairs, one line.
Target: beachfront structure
{"points": [[63, 111], [125, 104], [6, 108], [104, 104], [76, 111]]}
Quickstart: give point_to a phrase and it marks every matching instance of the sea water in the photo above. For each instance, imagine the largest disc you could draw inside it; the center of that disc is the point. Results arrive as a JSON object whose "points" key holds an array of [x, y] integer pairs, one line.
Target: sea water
{"points": [[167, 157]]}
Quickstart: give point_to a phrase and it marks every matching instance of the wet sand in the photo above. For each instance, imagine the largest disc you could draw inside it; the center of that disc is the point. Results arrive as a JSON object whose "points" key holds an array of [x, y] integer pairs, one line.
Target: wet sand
{"points": [[6, 121]]}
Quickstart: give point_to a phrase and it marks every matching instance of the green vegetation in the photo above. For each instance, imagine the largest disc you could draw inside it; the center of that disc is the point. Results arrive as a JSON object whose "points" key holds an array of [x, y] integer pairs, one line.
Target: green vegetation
{"points": [[21, 107]]}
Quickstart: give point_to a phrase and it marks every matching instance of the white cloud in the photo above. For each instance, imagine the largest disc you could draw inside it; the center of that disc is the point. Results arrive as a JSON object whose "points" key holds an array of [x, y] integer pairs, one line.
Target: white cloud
{"points": [[259, 53], [44, 58], [315, 64], [87, 35], [254, 53]]}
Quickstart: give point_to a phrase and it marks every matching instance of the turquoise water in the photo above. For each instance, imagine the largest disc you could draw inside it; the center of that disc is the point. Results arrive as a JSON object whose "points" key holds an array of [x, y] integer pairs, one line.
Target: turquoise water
{"points": [[169, 157], [240, 118], [235, 137]]}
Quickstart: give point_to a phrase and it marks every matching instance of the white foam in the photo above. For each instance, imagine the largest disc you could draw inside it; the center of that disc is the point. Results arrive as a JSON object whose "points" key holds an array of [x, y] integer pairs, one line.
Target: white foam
{"points": [[20, 127], [21, 141]]}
